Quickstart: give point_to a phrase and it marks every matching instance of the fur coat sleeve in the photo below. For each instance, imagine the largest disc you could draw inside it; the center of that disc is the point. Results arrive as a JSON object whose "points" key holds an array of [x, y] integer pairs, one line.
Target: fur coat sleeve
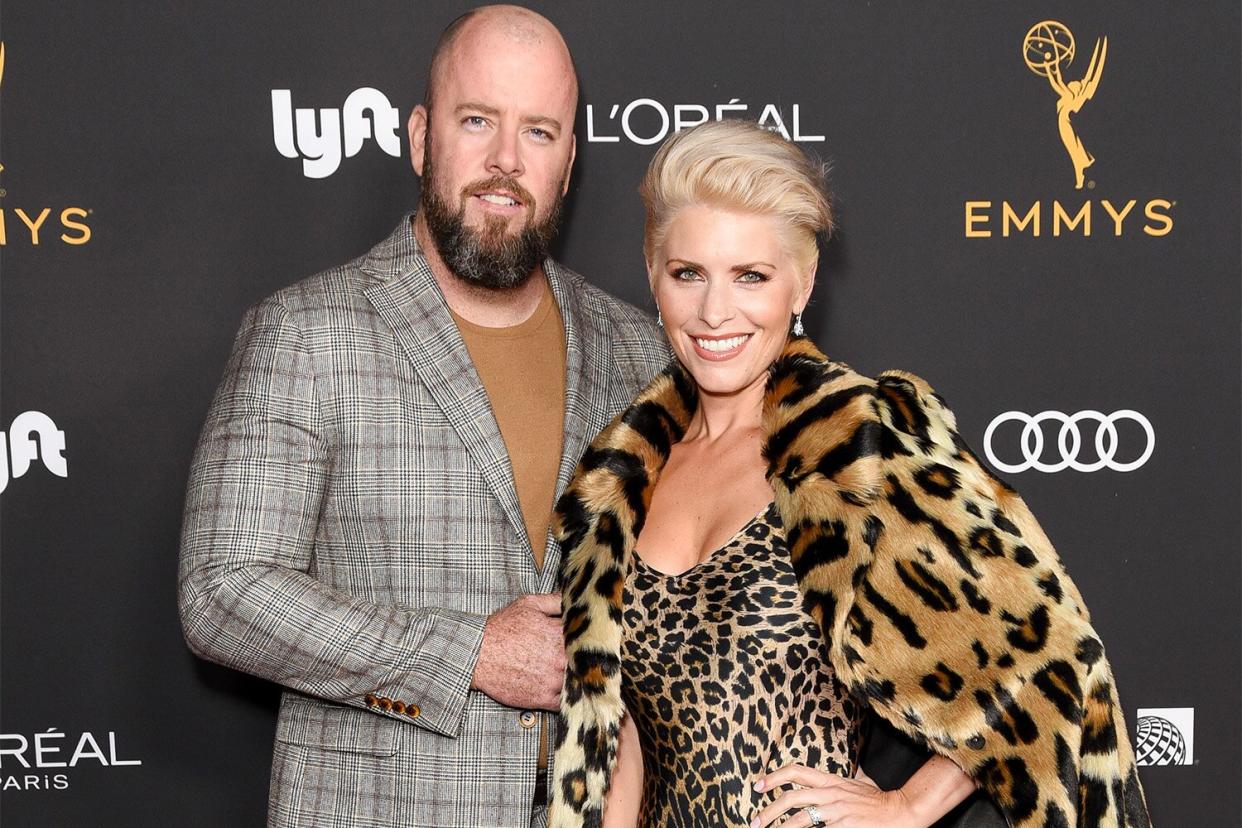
{"points": [[944, 605]]}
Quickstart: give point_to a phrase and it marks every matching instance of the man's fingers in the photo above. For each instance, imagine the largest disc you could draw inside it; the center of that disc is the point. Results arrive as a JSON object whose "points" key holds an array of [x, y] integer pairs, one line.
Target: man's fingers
{"points": [[547, 604]]}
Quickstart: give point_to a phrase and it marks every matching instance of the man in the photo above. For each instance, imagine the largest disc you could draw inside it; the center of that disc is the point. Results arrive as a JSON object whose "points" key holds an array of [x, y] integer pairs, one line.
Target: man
{"points": [[367, 514]]}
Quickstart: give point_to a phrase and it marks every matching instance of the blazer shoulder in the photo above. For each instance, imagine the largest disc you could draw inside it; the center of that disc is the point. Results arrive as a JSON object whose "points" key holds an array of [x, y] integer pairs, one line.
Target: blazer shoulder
{"points": [[634, 326], [309, 301], [618, 311], [635, 335]]}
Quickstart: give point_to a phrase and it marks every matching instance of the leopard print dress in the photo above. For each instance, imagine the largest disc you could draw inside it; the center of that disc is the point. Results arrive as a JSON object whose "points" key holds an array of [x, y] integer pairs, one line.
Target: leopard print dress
{"points": [[728, 679]]}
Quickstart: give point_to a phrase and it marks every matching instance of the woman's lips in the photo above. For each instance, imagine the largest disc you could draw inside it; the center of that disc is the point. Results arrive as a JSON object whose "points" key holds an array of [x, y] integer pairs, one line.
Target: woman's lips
{"points": [[720, 348]]}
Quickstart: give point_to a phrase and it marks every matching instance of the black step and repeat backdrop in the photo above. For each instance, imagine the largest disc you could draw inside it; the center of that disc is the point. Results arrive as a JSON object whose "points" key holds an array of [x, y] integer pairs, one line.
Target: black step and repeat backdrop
{"points": [[166, 164]]}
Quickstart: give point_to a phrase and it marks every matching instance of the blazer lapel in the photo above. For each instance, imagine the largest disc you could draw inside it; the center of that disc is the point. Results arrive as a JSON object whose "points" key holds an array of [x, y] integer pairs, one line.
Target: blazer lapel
{"points": [[591, 379], [408, 299]]}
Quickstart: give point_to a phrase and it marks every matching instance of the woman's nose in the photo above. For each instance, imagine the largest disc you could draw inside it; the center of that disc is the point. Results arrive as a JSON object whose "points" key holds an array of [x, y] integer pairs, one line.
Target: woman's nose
{"points": [[717, 306]]}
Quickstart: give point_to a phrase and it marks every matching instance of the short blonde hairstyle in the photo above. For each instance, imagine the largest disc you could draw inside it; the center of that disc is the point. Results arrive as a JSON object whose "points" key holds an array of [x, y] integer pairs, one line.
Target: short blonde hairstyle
{"points": [[737, 165]]}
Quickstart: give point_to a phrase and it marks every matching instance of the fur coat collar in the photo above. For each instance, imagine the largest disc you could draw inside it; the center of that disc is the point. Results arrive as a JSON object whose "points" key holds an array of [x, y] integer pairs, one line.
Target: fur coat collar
{"points": [[944, 606]]}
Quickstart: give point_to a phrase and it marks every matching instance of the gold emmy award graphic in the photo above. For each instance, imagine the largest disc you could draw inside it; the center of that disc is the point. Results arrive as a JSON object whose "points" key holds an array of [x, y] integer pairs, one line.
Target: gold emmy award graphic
{"points": [[1048, 46], [1048, 50]]}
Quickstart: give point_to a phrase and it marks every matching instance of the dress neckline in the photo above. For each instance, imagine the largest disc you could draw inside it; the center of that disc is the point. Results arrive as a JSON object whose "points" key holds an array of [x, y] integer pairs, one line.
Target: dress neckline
{"points": [[711, 556]]}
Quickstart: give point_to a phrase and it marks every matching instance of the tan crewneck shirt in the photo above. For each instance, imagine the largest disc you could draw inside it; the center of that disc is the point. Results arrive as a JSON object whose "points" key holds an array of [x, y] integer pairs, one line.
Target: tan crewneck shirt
{"points": [[523, 371]]}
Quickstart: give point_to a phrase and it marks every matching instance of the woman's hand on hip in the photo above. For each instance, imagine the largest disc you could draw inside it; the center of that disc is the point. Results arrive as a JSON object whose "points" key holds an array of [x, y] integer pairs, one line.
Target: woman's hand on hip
{"points": [[838, 801]]}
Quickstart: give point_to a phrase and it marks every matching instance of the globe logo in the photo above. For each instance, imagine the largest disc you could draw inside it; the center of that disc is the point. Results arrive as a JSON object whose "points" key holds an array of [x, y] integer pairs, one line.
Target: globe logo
{"points": [[1048, 44], [1158, 742]]}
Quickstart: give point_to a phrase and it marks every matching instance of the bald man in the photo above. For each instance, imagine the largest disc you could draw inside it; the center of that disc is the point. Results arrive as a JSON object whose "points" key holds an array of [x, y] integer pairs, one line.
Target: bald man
{"points": [[367, 514]]}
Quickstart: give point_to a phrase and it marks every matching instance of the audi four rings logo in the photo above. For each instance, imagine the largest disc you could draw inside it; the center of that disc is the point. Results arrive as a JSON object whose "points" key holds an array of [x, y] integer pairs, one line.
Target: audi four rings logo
{"points": [[1070, 441]]}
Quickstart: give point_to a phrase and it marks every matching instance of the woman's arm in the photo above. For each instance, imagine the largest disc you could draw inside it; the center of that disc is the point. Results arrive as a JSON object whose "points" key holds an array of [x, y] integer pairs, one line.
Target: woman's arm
{"points": [[935, 789], [625, 794]]}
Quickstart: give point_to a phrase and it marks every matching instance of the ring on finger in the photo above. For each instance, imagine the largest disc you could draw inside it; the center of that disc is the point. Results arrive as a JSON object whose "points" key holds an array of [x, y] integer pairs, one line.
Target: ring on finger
{"points": [[815, 816]]}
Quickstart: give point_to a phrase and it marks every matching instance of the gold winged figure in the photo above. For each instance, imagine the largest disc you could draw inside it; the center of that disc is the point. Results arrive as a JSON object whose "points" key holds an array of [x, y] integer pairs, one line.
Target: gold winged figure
{"points": [[1070, 98]]}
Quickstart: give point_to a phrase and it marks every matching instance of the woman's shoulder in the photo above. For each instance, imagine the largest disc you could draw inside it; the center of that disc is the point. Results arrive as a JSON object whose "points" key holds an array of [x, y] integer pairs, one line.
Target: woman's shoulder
{"points": [[817, 386], [858, 428], [909, 403]]}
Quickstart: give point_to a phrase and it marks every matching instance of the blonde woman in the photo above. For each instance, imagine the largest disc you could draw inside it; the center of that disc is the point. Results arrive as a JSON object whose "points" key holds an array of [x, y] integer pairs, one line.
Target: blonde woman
{"points": [[767, 543]]}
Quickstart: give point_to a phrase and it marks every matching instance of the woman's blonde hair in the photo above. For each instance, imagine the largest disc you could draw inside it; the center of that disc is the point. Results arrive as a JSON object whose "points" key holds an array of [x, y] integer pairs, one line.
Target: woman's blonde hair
{"points": [[737, 165]]}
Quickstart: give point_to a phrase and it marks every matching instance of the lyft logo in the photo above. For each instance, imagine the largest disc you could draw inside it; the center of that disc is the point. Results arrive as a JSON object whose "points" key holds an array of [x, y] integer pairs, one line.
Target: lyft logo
{"points": [[318, 136], [32, 435]]}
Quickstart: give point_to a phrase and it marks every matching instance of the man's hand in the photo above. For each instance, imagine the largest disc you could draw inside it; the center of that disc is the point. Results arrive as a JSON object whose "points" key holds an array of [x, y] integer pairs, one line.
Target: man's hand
{"points": [[522, 661]]}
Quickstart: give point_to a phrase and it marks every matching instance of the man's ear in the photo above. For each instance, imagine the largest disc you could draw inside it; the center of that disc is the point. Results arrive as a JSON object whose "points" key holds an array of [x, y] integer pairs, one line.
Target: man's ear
{"points": [[573, 153], [416, 128]]}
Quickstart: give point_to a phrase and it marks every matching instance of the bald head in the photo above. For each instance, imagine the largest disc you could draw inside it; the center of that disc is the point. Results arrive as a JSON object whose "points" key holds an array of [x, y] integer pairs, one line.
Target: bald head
{"points": [[519, 27]]}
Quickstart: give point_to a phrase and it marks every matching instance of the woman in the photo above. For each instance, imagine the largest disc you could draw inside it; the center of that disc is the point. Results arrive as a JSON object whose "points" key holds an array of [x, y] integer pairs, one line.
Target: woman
{"points": [[696, 685]]}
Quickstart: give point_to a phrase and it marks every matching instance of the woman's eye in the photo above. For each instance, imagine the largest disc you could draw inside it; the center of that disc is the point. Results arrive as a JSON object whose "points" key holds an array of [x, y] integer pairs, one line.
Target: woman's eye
{"points": [[685, 274], [752, 277]]}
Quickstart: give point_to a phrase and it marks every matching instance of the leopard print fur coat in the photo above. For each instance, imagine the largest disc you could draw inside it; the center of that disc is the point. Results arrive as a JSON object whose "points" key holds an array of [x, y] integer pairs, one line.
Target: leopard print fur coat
{"points": [[944, 606]]}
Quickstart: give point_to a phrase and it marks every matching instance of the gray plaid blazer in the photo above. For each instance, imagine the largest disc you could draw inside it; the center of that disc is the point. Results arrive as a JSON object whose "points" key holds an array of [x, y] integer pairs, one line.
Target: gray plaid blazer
{"points": [[351, 520]]}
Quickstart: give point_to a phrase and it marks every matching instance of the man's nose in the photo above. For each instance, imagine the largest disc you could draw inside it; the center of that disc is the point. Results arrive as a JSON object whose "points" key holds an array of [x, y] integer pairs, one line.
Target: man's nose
{"points": [[505, 154]]}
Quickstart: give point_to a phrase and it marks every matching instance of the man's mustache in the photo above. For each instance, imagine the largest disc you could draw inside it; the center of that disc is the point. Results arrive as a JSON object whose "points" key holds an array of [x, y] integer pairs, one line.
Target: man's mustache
{"points": [[500, 184]]}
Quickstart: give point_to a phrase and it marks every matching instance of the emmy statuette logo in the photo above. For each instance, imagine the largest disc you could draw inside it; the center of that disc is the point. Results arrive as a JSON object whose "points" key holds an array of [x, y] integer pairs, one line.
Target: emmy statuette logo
{"points": [[1048, 47], [1048, 50]]}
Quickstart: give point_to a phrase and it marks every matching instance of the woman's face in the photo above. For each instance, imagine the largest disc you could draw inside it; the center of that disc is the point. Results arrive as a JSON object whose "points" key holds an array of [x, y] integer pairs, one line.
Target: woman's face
{"points": [[726, 285]]}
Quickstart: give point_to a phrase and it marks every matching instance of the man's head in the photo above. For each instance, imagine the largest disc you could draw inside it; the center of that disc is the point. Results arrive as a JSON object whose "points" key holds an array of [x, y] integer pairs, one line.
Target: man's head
{"points": [[494, 144]]}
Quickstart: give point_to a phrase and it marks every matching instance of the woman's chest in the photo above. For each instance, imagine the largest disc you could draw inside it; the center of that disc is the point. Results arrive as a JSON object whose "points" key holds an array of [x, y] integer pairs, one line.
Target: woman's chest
{"points": [[725, 620]]}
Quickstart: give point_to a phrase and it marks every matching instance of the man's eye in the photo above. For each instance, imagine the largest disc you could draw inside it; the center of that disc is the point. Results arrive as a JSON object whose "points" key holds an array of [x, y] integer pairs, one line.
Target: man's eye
{"points": [[475, 121], [541, 135]]}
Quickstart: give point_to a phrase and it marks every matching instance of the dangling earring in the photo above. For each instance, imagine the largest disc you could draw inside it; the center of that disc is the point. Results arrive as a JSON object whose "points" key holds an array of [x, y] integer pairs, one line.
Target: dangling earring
{"points": [[659, 319], [798, 330]]}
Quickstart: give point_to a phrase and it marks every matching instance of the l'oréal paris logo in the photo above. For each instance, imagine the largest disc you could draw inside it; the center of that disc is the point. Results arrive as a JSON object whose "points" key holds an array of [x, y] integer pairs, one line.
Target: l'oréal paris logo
{"points": [[646, 121]]}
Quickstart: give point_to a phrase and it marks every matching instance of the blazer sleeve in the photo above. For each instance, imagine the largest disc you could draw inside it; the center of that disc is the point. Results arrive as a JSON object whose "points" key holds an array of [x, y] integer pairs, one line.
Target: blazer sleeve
{"points": [[246, 597]]}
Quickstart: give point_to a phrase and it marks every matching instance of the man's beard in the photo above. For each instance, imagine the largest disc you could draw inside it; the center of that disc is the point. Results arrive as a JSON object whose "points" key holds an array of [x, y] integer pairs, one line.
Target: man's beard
{"points": [[489, 257]]}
